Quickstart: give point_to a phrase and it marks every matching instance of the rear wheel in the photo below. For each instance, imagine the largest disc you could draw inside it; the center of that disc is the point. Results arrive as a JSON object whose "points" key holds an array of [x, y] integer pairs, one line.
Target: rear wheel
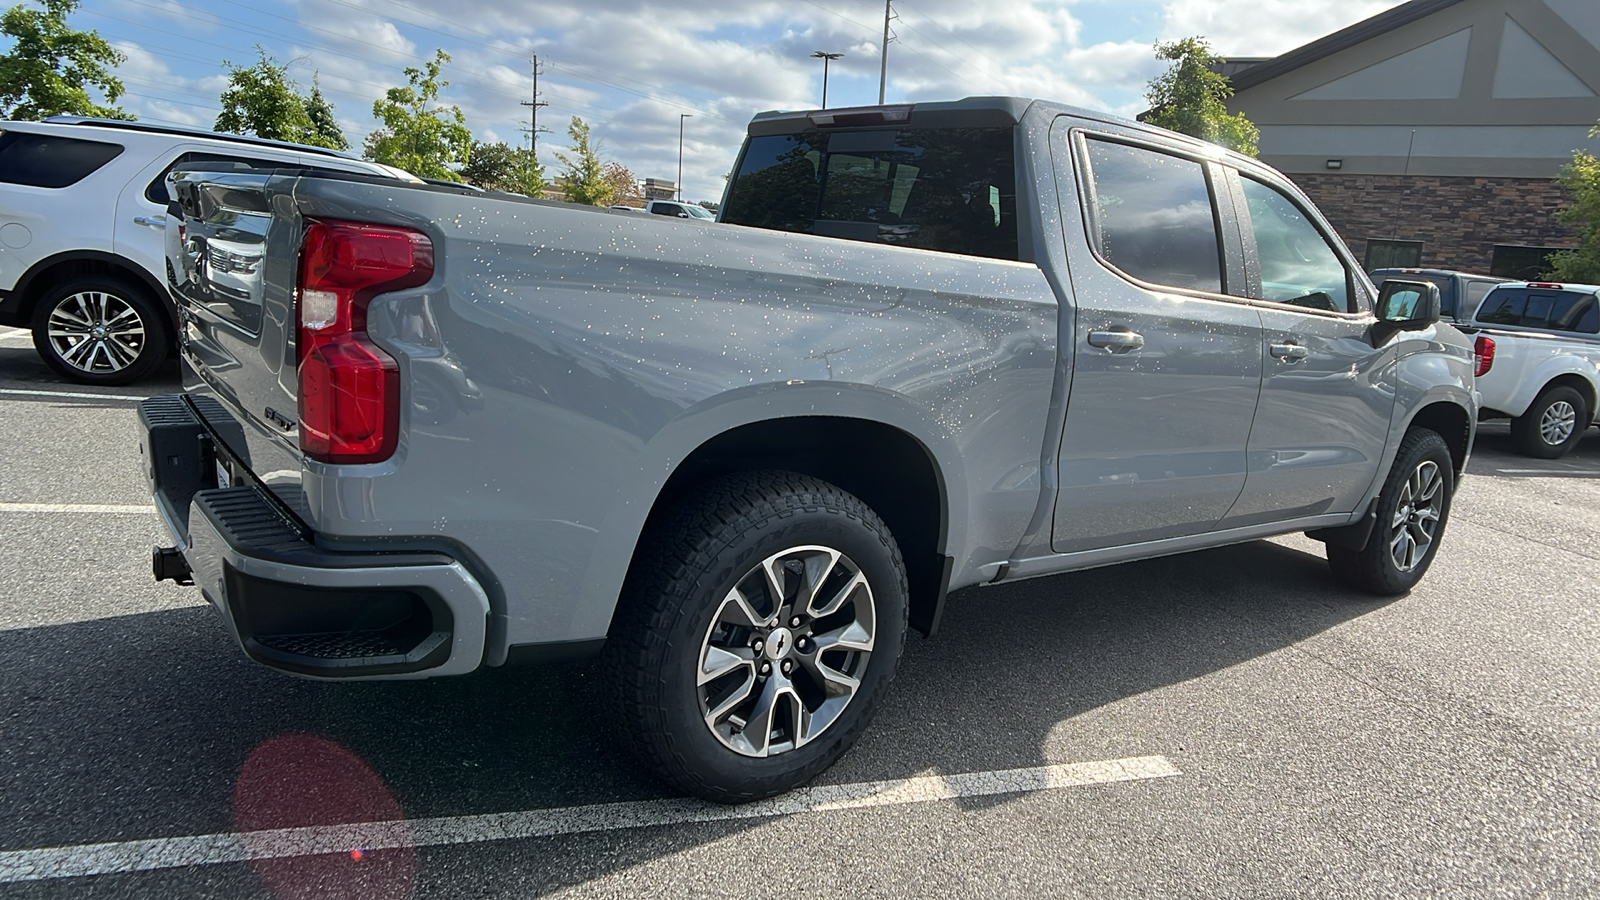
{"points": [[759, 628], [1553, 425], [100, 330], [1412, 510]]}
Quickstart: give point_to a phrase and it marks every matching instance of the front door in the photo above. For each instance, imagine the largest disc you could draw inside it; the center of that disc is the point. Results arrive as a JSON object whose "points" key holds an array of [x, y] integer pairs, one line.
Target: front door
{"points": [[1166, 368]]}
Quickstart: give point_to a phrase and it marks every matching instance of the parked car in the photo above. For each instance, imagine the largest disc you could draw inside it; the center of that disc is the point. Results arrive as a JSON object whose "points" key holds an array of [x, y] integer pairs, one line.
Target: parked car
{"points": [[679, 210], [1538, 351], [742, 461], [1459, 292], [82, 207]]}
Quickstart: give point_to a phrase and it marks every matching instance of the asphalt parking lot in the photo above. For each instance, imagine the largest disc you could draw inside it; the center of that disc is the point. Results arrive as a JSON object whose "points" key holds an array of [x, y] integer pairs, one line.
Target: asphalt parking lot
{"points": [[1224, 723]]}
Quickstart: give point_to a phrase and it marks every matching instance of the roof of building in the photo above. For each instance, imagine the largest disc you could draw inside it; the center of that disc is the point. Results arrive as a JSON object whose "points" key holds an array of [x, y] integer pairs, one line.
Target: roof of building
{"points": [[1343, 39]]}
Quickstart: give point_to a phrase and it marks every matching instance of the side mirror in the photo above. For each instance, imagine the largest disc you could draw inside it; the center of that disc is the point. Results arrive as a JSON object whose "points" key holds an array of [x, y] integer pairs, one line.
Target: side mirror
{"points": [[1408, 304], [683, 215]]}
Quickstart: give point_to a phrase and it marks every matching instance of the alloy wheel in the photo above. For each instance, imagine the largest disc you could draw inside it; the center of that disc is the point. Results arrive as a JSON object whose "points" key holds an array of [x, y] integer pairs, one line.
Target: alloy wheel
{"points": [[1557, 423], [785, 651], [96, 332], [1416, 516]]}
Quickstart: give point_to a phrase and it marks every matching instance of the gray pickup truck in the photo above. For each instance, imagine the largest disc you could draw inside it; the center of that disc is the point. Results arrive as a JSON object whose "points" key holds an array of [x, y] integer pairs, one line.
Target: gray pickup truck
{"points": [[926, 347]]}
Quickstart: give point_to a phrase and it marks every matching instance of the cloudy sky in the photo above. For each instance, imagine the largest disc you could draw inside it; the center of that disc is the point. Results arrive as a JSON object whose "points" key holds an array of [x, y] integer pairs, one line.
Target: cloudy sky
{"points": [[631, 67]]}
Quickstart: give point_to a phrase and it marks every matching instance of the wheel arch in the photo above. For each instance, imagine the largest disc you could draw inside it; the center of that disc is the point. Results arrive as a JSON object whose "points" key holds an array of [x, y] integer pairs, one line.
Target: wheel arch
{"points": [[53, 270], [891, 470], [1453, 423], [1577, 382]]}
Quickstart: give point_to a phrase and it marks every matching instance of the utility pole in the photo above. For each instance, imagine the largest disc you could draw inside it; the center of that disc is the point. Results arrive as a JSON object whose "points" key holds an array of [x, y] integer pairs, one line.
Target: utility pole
{"points": [[678, 188], [533, 106], [883, 69]]}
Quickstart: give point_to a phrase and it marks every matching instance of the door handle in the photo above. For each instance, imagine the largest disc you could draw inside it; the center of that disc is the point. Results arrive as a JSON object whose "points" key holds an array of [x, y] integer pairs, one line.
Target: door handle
{"points": [[1288, 352], [152, 221], [1116, 341]]}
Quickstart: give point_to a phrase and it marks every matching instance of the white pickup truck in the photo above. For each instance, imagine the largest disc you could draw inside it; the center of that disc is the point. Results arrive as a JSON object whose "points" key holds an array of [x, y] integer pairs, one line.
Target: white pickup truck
{"points": [[1538, 352]]}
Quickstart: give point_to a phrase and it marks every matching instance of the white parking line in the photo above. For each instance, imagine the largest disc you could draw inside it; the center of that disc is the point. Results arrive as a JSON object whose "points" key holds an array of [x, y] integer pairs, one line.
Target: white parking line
{"points": [[14, 335], [114, 509], [69, 394], [1553, 472], [206, 849]]}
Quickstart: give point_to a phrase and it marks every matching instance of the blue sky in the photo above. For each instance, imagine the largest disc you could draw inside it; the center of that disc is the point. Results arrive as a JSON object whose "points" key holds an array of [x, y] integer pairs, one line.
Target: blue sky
{"points": [[632, 67]]}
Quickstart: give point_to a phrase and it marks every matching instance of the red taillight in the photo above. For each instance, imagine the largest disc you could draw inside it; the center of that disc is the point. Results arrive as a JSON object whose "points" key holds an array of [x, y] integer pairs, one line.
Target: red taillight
{"points": [[350, 387], [1482, 355]]}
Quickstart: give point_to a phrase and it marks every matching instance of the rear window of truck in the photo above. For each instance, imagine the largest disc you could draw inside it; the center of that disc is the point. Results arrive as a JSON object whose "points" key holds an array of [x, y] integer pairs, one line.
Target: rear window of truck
{"points": [[947, 189], [1545, 309], [47, 161]]}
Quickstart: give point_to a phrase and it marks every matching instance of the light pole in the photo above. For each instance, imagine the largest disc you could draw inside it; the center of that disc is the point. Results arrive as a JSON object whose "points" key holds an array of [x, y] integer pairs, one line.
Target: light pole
{"points": [[826, 58], [677, 189]]}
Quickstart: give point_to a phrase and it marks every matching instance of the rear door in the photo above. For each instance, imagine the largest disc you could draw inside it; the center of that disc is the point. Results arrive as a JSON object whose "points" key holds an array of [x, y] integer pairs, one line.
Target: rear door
{"points": [[1326, 401], [1166, 366]]}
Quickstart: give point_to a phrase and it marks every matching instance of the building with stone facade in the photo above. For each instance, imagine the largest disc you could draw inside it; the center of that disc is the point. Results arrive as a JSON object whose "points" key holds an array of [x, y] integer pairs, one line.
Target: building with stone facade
{"points": [[1430, 134]]}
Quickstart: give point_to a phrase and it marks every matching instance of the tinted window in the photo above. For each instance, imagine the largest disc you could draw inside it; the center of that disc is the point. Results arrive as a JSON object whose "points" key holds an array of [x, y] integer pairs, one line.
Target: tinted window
{"points": [[43, 160], [1554, 310], [156, 192], [1476, 290], [949, 189], [666, 209], [1297, 264], [1154, 217]]}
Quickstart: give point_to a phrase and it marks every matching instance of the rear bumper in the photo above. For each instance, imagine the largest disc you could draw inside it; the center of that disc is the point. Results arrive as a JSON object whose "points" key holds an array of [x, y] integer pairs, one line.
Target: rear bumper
{"points": [[294, 606]]}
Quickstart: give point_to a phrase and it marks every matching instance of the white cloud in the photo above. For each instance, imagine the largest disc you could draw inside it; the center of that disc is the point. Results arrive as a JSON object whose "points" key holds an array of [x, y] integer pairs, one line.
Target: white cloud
{"points": [[1264, 27]]}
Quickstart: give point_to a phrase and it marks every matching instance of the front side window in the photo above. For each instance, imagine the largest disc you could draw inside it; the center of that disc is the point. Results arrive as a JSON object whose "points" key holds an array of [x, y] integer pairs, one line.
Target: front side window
{"points": [[1153, 217], [1298, 267], [947, 189], [47, 161]]}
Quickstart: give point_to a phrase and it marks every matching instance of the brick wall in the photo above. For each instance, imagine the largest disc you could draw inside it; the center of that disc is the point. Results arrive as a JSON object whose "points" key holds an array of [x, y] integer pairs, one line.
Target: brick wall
{"points": [[1459, 220]]}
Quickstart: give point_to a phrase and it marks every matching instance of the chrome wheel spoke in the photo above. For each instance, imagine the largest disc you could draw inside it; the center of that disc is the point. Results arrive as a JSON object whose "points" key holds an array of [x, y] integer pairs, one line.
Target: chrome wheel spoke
{"points": [[94, 331]]}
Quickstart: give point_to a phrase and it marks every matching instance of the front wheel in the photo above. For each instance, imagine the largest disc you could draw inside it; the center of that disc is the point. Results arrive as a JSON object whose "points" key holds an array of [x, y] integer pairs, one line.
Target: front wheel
{"points": [[758, 630], [1412, 510], [100, 331], [1553, 425]]}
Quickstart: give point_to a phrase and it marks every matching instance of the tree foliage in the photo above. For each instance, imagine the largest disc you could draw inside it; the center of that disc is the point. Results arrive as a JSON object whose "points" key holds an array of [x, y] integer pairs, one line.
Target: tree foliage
{"points": [[419, 135], [502, 167], [1582, 178], [624, 186], [1190, 97], [584, 178], [51, 67], [263, 101]]}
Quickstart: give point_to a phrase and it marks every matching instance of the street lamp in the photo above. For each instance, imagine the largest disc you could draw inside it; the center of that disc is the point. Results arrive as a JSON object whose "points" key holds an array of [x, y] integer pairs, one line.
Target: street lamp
{"points": [[678, 188], [826, 58]]}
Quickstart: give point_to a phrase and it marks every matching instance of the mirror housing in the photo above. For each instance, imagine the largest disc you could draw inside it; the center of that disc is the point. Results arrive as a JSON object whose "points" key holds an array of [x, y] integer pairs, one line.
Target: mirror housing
{"points": [[1408, 304]]}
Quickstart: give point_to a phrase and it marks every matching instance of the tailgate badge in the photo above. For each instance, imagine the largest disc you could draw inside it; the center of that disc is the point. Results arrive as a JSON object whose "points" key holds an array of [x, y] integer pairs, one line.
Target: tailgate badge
{"points": [[281, 420]]}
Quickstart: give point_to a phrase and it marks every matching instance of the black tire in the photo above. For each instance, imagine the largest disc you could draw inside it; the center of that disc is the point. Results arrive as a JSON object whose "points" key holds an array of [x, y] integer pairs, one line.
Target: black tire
{"points": [[674, 607], [1555, 438], [1375, 568], [126, 353]]}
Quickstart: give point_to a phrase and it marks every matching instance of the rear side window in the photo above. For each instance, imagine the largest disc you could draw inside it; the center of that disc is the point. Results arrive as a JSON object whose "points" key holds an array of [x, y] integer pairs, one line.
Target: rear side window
{"points": [[1154, 218], [156, 191], [47, 161], [947, 189], [1543, 309]]}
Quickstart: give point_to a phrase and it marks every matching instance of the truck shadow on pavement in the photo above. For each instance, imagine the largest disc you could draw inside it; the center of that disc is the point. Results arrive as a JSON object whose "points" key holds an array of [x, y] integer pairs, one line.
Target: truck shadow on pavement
{"points": [[138, 726]]}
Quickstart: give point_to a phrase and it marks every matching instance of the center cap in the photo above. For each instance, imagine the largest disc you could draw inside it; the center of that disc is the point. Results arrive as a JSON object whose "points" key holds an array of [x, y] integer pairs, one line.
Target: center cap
{"points": [[779, 643]]}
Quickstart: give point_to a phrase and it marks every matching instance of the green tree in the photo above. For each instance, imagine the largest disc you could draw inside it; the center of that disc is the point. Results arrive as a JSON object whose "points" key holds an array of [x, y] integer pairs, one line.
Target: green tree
{"points": [[1582, 178], [1190, 97], [502, 167], [419, 135], [261, 100], [584, 178], [50, 66], [325, 130]]}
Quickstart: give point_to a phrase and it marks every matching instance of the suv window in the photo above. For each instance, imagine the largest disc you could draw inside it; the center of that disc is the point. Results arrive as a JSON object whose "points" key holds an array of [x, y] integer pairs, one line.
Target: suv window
{"points": [[947, 189], [1538, 308], [44, 160], [156, 191], [1298, 266], [1154, 219]]}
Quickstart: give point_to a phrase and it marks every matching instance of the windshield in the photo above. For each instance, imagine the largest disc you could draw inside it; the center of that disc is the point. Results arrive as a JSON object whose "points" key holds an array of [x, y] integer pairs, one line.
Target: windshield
{"points": [[951, 189]]}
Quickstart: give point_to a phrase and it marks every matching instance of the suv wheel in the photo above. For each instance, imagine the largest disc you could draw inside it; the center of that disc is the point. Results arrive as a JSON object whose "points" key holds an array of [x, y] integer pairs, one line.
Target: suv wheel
{"points": [[1412, 510], [100, 331], [758, 630], [1553, 425]]}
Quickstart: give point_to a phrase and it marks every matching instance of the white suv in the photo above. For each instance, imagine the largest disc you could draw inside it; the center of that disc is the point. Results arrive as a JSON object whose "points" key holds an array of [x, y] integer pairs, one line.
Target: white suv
{"points": [[82, 245]]}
